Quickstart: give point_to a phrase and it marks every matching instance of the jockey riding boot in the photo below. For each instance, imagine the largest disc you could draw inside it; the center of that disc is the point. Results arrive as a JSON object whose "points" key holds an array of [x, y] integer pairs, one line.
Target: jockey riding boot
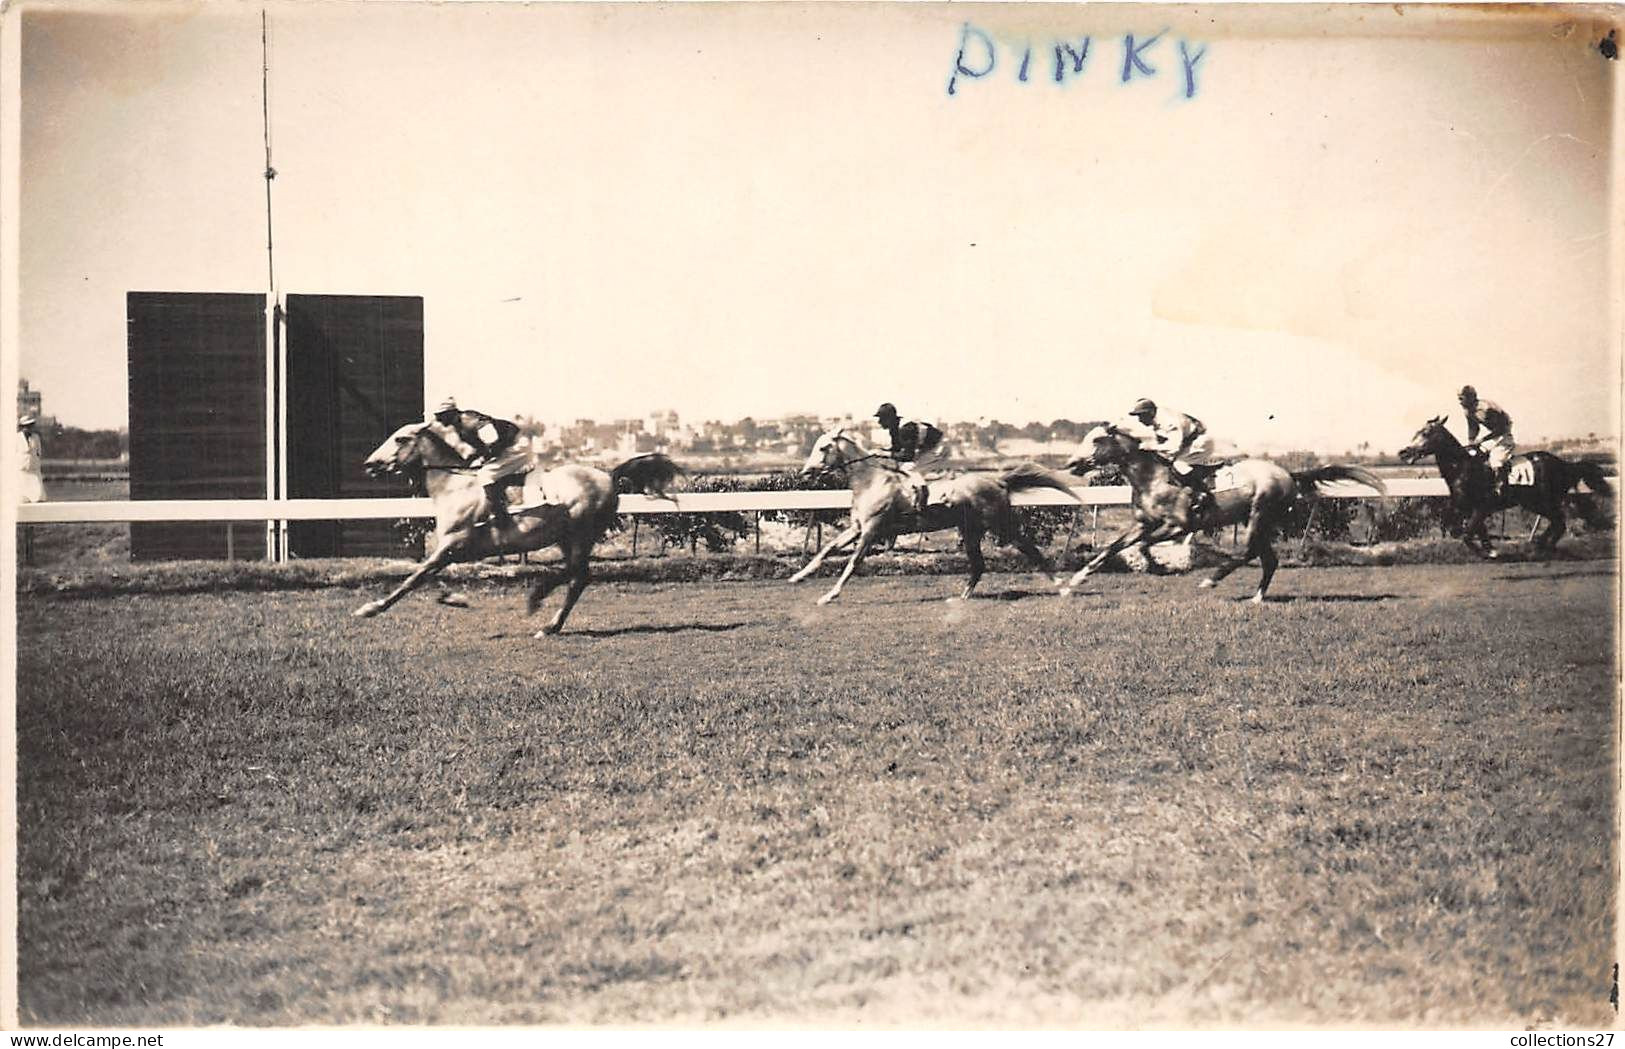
{"points": [[496, 497], [922, 496], [1201, 503]]}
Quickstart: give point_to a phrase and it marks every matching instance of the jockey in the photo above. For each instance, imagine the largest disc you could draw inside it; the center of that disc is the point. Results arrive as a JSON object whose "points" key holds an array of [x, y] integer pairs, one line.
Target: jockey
{"points": [[491, 444], [1495, 441], [910, 439], [1176, 439]]}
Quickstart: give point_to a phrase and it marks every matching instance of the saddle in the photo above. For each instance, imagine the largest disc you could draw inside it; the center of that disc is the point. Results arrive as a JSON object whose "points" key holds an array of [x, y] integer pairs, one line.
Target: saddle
{"points": [[1202, 474]]}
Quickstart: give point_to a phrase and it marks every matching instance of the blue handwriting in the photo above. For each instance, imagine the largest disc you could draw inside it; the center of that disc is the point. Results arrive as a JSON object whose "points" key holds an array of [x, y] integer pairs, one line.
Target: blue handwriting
{"points": [[979, 55]]}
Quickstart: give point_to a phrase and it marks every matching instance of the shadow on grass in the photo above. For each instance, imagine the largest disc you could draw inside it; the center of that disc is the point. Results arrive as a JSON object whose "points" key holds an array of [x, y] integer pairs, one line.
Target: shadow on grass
{"points": [[1321, 599], [1006, 595], [1547, 576], [671, 628]]}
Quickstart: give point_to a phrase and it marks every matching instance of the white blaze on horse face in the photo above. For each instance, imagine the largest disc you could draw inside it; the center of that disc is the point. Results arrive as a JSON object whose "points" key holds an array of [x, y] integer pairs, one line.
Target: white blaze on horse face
{"points": [[395, 450], [819, 457], [1090, 447]]}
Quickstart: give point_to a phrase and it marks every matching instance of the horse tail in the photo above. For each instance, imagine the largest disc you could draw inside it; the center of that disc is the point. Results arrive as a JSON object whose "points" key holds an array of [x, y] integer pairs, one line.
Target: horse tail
{"points": [[1591, 474], [1031, 475], [649, 474], [1322, 475]]}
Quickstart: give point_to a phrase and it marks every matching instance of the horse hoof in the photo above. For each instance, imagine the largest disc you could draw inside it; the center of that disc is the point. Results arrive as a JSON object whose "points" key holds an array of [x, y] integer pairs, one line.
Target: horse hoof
{"points": [[368, 610], [826, 599], [454, 600], [1066, 591], [1258, 598], [1493, 555], [1207, 584]]}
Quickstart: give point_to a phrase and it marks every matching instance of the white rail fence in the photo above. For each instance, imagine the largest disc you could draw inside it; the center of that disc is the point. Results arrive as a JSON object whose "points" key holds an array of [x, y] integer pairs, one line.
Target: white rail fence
{"points": [[210, 510]]}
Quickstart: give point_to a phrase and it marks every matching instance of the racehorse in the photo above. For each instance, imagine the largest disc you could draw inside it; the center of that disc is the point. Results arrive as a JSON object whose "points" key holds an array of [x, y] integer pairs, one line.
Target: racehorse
{"points": [[1472, 486], [883, 506], [579, 504], [1256, 491]]}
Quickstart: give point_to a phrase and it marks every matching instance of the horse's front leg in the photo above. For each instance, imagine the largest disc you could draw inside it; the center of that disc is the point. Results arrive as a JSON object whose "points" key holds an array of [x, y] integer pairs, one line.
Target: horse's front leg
{"points": [[1129, 535], [443, 555], [848, 534], [1162, 533], [866, 538]]}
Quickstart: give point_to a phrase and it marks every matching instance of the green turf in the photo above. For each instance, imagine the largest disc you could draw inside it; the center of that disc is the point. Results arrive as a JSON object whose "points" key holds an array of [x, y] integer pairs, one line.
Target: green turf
{"points": [[1385, 797]]}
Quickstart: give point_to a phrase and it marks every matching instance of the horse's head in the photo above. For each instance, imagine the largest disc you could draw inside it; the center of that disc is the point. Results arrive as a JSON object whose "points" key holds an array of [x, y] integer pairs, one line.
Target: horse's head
{"points": [[1100, 447], [833, 450], [1431, 439], [401, 450]]}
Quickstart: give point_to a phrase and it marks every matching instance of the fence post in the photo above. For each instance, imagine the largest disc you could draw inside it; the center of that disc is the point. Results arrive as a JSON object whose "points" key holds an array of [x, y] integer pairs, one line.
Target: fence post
{"points": [[1066, 547], [1303, 540], [634, 537], [758, 532]]}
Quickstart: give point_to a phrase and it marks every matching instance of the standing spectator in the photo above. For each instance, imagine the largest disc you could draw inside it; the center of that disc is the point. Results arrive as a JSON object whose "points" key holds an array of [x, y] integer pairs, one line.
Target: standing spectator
{"points": [[31, 485]]}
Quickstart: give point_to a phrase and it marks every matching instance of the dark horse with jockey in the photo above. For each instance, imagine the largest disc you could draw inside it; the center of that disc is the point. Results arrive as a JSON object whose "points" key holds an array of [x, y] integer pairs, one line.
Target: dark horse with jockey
{"points": [[1539, 482]]}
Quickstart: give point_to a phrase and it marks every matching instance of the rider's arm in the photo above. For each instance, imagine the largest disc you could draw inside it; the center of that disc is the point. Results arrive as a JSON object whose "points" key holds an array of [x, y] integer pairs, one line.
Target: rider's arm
{"points": [[450, 435]]}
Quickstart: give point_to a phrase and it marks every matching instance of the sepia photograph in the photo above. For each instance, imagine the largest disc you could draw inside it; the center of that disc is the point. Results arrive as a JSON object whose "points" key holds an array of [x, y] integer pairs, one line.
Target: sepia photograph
{"points": [[810, 515]]}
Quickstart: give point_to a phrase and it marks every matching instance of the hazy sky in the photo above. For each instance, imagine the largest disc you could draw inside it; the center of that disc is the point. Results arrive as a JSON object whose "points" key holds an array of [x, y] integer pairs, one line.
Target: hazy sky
{"points": [[1311, 238]]}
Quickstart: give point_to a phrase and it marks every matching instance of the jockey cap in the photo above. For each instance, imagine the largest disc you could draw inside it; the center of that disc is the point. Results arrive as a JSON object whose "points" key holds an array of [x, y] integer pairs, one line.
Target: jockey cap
{"points": [[1143, 405], [25, 421], [447, 405], [886, 411], [1468, 393]]}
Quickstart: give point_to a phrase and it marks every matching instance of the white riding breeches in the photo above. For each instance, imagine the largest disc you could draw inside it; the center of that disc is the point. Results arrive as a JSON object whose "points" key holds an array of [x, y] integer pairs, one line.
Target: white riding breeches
{"points": [[1498, 450]]}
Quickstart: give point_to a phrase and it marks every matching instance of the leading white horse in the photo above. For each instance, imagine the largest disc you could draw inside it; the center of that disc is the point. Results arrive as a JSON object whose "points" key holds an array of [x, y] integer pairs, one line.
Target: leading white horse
{"points": [[570, 507]]}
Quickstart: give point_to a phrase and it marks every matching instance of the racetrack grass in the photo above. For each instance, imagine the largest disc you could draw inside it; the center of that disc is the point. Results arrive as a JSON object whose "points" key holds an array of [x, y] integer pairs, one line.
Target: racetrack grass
{"points": [[1386, 797]]}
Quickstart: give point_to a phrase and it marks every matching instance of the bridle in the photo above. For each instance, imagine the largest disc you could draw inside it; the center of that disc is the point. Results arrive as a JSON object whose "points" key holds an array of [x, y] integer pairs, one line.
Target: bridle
{"points": [[844, 464]]}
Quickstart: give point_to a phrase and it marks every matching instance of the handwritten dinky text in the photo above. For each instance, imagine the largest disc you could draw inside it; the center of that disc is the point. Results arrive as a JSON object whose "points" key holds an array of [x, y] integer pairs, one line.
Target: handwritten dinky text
{"points": [[1129, 58]]}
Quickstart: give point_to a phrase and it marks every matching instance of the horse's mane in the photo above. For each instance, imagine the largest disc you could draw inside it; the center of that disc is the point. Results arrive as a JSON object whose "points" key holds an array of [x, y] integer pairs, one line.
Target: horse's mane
{"points": [[842, 434], [1436, 428], [424, 429]]}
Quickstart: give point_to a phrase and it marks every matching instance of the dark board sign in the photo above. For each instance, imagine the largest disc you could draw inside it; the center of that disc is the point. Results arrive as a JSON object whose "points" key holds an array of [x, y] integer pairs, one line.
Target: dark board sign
{"points": [[197, 416], [355, 374]]}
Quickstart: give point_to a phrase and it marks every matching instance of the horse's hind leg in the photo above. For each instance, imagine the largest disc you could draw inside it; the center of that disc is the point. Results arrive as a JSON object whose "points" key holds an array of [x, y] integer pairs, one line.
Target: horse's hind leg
{"points": [[551, 576], [1554, 532], [1012, 534], [1268, 560], [970, 534], [1259, 537], [1476, 535], [579, 569]]}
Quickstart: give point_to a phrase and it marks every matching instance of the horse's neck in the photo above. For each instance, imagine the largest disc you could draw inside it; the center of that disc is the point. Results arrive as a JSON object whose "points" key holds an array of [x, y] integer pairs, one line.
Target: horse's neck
{"points": [[1143, 470], [867, 470], [438, 482], [1452, 459]]}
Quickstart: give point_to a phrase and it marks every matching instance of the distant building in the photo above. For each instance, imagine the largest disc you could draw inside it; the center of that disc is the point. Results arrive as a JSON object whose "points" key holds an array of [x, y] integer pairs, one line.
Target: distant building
{"points": [[29, 400], [661, 424]]}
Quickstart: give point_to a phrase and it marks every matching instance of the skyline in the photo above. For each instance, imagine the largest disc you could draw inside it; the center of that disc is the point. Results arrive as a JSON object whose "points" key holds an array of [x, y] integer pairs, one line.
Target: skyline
{"points": [[1316, 247]]}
